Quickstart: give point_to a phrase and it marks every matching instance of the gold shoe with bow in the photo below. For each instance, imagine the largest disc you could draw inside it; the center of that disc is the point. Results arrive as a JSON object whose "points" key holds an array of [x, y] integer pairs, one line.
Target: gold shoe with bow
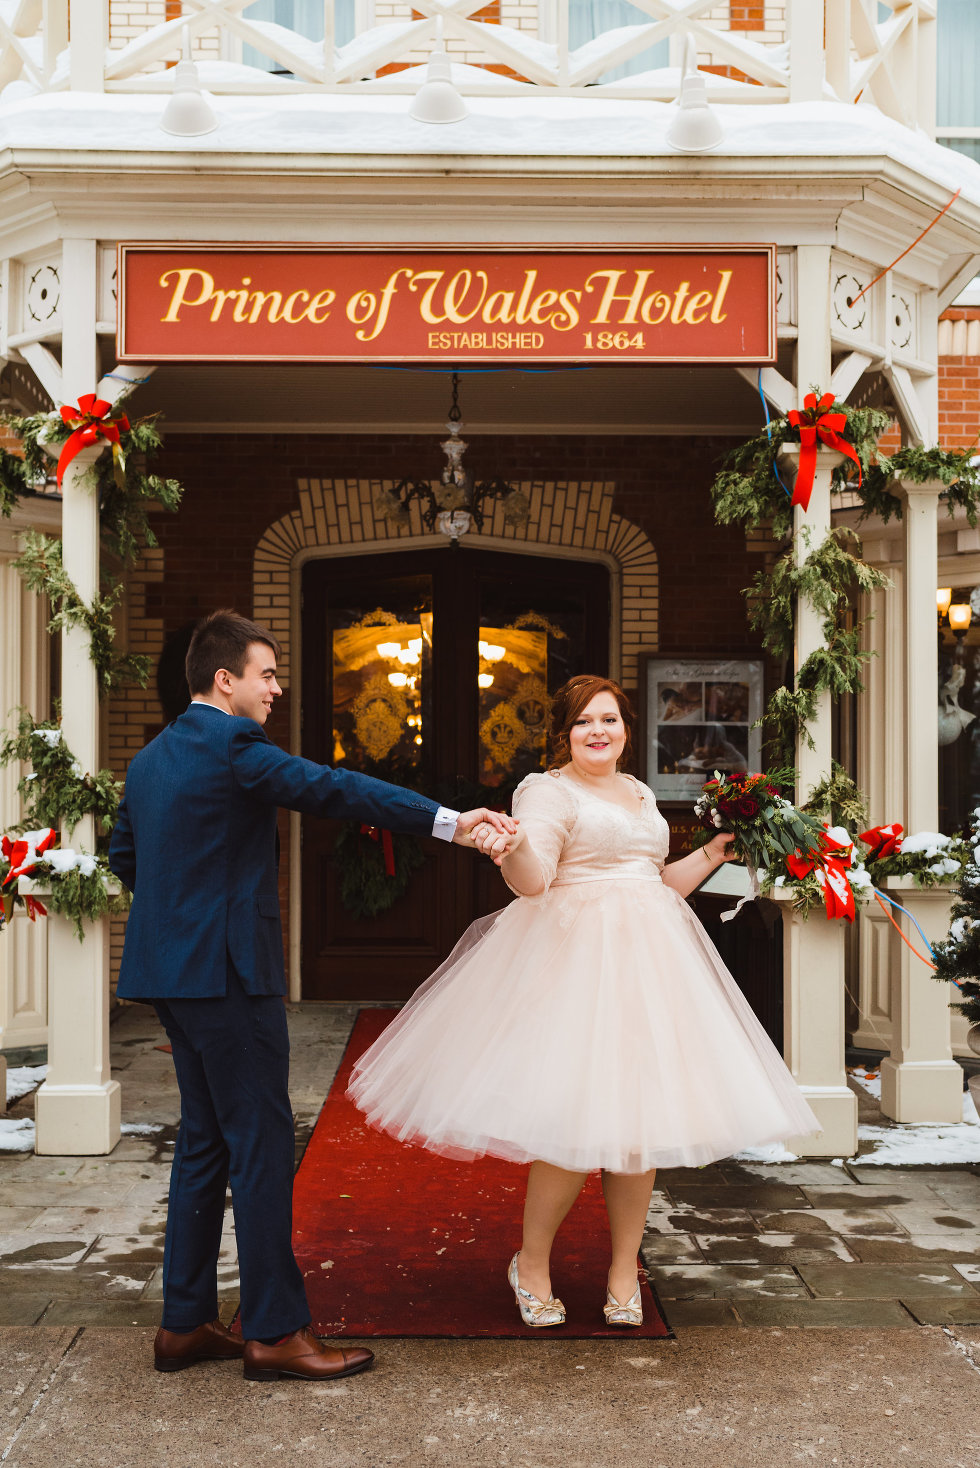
{"points": [[534, 1311], [629, 1314]]}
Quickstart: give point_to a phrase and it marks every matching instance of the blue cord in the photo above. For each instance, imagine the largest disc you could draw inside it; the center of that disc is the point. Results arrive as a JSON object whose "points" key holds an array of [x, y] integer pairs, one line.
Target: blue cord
{"points": [[121, 377], [911, 919], [765, 409]]}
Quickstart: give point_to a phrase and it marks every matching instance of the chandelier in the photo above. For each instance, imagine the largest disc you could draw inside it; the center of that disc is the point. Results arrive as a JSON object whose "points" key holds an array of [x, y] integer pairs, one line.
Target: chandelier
{"points": [[457, 502]]}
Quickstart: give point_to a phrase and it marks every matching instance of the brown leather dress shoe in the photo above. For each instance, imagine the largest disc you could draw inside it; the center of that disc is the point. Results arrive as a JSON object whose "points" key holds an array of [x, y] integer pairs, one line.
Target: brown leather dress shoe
{"points": [[211, 1342], [304, 1355]]}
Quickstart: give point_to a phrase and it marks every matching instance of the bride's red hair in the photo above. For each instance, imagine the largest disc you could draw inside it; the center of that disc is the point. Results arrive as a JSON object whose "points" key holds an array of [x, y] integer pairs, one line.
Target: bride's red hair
{"points": [[569, 704]]}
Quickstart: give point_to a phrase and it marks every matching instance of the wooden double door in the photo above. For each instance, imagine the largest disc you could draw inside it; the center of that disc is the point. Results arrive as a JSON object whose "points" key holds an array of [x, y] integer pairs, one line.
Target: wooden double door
{"points": [[432, 669]]}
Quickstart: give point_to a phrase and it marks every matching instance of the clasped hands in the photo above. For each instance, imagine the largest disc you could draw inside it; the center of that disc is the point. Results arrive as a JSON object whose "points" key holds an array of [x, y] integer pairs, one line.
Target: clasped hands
{"points": [[488, 831]]}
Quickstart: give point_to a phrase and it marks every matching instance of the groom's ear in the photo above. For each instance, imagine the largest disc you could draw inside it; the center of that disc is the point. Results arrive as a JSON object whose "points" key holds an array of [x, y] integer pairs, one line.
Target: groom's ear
{"points": [[223, 681]]}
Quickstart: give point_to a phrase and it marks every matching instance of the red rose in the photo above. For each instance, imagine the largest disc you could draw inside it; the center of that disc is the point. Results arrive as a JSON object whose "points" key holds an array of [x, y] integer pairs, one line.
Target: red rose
{"points": [[748, 806]]}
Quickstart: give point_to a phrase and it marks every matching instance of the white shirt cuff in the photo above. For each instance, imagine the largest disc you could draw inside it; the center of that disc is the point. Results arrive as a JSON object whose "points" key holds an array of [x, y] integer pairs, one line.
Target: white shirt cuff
{"points": [[444, 825]]}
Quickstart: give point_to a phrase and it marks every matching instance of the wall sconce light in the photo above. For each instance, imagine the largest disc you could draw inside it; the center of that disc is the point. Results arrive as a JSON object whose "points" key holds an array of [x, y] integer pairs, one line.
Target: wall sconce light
{"points": [[944, 595], [960, 617]]}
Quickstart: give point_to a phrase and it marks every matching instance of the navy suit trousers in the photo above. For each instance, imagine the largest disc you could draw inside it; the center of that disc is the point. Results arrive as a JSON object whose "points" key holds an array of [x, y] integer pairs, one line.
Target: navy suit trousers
{"points": [[232, 1061]]}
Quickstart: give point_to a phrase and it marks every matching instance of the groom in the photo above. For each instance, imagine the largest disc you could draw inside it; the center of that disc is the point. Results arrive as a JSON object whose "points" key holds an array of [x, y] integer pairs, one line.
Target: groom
{"points": [[195, 843]]}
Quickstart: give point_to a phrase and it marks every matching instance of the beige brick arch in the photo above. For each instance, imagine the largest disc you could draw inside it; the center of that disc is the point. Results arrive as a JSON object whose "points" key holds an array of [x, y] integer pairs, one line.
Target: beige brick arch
{"points": [[567, 518]]}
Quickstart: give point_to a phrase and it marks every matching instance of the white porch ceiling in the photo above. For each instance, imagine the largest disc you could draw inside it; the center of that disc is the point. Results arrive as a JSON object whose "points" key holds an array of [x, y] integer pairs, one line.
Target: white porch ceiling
{"points": [[308, 398]]}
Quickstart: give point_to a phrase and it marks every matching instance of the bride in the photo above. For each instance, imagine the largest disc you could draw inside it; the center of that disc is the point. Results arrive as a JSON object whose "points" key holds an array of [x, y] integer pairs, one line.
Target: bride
{"points": [[589, 1025]]}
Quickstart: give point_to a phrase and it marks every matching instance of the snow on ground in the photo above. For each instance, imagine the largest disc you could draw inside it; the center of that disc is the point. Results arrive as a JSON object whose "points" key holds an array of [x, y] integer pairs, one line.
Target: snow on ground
{"points": [[917, 1144], [17, 1133], [22, 1079]]}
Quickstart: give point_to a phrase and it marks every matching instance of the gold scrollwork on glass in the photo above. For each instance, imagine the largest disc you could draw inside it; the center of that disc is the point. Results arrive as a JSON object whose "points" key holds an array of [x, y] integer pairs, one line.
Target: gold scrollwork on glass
{"points": [[380, 715]]}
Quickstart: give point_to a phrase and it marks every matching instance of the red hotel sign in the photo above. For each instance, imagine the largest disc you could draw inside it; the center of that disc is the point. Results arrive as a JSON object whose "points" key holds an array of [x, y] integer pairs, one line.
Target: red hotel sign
{"points": [[311, 303]]}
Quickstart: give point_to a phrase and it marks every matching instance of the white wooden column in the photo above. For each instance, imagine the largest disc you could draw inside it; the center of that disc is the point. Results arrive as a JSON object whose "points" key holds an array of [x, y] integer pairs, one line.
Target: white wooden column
{"points": [[23, 683], [920, 1081], [813, 949], [78, 1106]]}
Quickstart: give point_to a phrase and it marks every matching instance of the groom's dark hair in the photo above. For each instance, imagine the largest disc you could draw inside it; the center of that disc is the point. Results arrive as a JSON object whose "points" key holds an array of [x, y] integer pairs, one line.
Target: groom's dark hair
{"points": [[222, 640]]}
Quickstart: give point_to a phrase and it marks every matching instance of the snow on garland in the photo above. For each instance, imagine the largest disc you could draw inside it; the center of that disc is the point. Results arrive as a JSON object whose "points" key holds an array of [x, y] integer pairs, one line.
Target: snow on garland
{"points": [[957, 958], [77, 884]]}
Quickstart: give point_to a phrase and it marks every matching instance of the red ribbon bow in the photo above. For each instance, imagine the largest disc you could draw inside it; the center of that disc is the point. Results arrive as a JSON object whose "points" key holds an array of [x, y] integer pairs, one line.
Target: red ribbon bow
{"points": [[89, 422], [832, 860], [34, 906], [814, 422], [22, 857], [387, 846], [883, 840]]}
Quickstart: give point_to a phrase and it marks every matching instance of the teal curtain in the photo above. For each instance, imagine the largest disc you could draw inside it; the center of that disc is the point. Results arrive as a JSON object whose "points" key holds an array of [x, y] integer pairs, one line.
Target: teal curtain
{"points": [[303, 16], [589, 18], [957, 69]]}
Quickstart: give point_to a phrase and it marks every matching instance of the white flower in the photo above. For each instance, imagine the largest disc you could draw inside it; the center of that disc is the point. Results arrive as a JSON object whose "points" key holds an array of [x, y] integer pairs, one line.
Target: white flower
{"points": [[50, 737], [717, 820]]}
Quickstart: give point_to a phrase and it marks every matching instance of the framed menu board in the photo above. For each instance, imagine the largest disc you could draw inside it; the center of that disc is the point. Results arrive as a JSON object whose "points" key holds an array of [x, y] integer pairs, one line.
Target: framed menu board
{"points": [[698, 717]]}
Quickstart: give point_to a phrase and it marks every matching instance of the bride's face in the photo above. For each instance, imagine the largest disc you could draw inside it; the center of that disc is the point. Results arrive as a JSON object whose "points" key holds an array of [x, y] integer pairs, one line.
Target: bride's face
{"points": [[598, 736]]}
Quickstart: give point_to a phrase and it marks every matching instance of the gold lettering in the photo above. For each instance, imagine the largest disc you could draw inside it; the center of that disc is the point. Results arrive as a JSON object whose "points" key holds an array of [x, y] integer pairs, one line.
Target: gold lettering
{"points": [[633, 300], [179, 297], [219, 298], [456, 295], [659, 298], [322, 301], [387, 291], [363, 302], [289, 305], [544, 302], [260, 298], [717, 315], [521, 315], [567, 317], [680, 296], [499, 307], [425, 308], [698, 302]]}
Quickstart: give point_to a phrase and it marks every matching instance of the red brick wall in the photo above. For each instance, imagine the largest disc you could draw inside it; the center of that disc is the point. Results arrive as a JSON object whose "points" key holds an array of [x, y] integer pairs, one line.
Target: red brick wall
{"points": [[747, 16], [959, 401]]}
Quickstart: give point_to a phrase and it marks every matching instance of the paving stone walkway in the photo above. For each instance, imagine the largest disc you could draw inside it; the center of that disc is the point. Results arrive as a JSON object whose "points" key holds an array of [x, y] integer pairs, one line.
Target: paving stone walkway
{"points": [[734, 1244]]}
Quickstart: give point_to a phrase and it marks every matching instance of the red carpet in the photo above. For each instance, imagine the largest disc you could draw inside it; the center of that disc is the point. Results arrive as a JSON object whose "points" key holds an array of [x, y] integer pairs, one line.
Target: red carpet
{"points": [[394, 1241]]}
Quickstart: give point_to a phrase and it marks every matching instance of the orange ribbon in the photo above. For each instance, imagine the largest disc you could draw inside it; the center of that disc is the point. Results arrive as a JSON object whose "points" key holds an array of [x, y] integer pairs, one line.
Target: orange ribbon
{"points": [[89, 422], [837, 894], [387, 846], [814, 422], [883, 840]]}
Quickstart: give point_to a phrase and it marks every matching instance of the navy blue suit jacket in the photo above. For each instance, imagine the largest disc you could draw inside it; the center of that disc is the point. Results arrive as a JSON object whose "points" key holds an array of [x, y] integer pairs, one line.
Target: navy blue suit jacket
{"points": [[195, 844]]}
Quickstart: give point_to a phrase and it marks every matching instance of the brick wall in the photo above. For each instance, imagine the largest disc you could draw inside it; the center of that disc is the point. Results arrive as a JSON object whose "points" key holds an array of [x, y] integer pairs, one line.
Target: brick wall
{"points": [[959, 377], [236, 487]]}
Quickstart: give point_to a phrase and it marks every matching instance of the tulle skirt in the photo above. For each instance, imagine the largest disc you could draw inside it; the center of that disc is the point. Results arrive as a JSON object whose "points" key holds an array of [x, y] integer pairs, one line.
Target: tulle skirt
{"points": [[595, 1027]]}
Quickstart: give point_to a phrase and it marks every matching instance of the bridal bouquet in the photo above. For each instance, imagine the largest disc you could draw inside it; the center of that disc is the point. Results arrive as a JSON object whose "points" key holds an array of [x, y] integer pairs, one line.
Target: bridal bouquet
{"points": [[767, 827]]}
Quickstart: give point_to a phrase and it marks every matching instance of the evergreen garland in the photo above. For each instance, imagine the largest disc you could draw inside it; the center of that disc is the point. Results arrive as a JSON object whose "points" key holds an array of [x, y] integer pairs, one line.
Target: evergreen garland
{"points": [[125, 493], [957, 957], [57, 792], [81, 897], [952, 467]]}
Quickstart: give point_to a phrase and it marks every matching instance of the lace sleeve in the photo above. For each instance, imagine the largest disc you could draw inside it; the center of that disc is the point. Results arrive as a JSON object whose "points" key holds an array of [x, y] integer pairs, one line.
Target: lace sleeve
{"points": [[547, 813]]}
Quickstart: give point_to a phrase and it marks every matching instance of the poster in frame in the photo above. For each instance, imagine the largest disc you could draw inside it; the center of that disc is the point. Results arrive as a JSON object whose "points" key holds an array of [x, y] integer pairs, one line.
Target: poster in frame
{"points": [[698, 715]]}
